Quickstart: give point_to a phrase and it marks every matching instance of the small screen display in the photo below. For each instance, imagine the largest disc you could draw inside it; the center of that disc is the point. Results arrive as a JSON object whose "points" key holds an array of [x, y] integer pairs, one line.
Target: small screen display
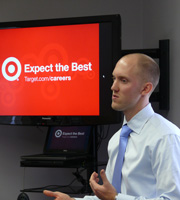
{"points": [[69, 139]]}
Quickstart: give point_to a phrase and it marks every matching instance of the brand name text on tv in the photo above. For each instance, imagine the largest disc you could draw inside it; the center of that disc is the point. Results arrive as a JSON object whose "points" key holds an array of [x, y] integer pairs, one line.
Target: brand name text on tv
{"points": [[57, 67]]}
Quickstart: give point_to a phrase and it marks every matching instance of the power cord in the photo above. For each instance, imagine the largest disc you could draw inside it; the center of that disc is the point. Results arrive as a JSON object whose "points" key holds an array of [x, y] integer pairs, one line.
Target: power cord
{"points": [[57, 187], [79, 178]]}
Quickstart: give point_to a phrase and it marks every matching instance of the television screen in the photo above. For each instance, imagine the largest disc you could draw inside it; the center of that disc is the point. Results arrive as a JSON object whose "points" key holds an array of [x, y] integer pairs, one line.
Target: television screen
{"points": [[58, 71]]}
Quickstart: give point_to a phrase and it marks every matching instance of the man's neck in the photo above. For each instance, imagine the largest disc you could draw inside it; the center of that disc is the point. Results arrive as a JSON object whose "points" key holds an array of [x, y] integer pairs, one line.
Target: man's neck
{"points": [[129, 114]]}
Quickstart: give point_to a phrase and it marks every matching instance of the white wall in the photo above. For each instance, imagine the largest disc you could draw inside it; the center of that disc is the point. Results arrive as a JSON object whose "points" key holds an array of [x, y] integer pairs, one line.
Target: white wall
{"points": [[161, 20], [131, 12], [143, 24]]}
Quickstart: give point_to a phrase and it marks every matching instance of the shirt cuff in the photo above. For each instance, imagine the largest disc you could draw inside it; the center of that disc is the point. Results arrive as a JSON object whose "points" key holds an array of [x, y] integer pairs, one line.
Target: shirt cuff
{"points": [[125, 197]]}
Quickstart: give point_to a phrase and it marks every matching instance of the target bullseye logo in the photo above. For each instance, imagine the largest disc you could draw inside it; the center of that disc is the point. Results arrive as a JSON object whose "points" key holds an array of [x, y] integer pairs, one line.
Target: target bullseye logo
{"points": [[11, 69], [58, 133]]}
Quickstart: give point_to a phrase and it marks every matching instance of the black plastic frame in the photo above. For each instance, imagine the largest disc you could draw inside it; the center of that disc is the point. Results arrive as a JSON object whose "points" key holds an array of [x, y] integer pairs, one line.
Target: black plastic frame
{"points": [[107, 114]]}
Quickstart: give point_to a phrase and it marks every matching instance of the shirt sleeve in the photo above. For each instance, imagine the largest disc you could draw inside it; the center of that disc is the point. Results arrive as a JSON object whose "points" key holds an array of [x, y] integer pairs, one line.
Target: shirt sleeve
{"points": [[88, 198], [166, 168], [128, 197]]}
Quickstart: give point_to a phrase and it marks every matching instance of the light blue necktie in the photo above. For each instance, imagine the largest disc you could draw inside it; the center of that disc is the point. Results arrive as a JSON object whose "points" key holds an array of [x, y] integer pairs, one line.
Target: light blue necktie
{"points": [[116, 181]]}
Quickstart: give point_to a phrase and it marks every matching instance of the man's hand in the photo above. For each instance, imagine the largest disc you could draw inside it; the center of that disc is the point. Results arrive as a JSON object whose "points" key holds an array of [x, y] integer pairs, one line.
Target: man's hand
{"points": [[57, 195], [105, 191]]}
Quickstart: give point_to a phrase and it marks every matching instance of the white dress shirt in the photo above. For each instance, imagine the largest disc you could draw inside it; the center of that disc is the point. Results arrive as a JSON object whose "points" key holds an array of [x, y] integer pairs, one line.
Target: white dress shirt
{"points": [[151, 168]]}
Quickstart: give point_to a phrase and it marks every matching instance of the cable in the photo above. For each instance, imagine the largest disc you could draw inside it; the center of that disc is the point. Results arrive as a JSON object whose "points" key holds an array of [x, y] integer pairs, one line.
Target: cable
{"points": [[56, 187], [102, 134]]}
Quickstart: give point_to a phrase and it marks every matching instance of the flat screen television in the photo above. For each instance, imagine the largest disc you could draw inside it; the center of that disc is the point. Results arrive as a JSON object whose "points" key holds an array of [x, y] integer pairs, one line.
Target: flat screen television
{"points": [[59, 71]]}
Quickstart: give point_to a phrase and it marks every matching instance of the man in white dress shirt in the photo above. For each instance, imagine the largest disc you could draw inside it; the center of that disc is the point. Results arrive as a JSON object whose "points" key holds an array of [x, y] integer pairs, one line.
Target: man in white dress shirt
{"points": [[151, 168]]}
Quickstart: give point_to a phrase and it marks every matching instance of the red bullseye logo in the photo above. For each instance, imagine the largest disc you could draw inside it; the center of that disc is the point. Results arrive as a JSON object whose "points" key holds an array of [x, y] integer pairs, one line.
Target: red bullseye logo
{"points": [[11, 69]]}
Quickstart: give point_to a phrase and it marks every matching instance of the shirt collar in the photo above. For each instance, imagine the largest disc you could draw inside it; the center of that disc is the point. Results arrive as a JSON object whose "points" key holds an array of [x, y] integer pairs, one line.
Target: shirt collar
{"points": [[138, 121]]}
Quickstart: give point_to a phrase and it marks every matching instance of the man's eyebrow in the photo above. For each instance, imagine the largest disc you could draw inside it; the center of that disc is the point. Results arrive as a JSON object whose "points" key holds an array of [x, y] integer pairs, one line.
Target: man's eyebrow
{"points": [[113, 76], [118, 76]]}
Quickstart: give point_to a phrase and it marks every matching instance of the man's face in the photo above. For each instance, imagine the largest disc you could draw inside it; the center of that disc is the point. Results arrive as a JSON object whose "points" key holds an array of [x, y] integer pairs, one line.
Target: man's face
{"points": [[126, 87]]}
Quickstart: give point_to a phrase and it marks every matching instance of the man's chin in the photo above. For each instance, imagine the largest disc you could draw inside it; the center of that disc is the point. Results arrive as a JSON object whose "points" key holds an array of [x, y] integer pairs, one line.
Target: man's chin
{"points": [[115, 107]]}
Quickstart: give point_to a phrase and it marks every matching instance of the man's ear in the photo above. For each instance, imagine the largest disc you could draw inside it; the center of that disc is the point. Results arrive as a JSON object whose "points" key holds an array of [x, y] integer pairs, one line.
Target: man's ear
{"points": [[147, 89]]}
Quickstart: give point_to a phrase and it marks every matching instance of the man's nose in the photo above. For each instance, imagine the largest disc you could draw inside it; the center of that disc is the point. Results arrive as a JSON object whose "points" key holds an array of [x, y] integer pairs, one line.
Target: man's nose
{"points": [[114, 86]]}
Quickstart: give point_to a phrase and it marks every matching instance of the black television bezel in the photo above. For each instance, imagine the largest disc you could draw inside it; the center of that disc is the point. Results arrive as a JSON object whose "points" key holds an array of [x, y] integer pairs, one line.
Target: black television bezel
{"points": [[107, 114]]}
